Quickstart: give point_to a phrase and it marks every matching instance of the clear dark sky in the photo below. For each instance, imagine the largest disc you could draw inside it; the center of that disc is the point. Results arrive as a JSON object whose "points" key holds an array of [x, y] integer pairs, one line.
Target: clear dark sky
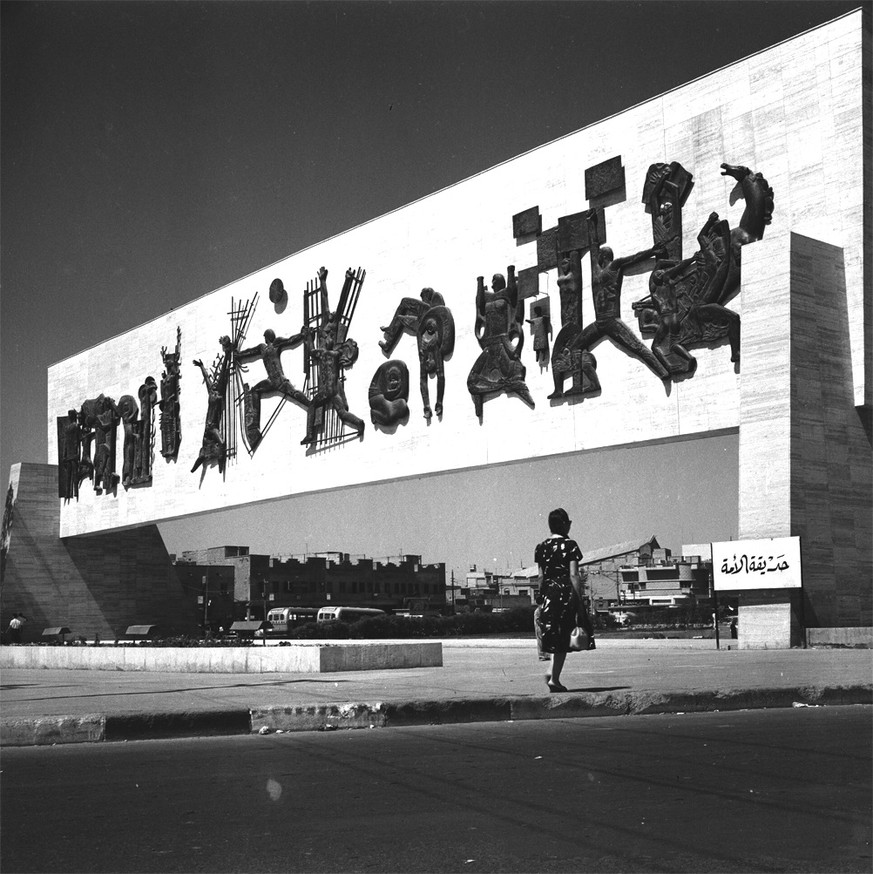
{"points": [[154, 151]]}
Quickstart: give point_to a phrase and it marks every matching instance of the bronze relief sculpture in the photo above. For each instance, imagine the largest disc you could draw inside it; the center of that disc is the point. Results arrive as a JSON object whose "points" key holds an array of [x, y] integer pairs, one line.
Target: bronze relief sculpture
{"points": [[69, 453], [329, 353], [98, 420], [686, 305], [607, 276], [540, 331], [171, 425], [434, 327], [568, 358], [148, 398], [213, 447], [498, 330], [276, 383], [129, 410], [665, 191]]}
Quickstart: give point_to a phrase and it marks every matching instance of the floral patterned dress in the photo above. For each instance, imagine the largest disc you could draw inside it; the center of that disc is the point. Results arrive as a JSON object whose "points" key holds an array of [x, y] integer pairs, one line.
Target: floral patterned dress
{"points": [[558, 601]]}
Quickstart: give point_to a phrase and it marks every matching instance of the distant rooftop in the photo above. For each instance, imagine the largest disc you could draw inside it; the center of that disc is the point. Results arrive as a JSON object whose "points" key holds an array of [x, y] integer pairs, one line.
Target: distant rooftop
{"points": [[618, 549]]}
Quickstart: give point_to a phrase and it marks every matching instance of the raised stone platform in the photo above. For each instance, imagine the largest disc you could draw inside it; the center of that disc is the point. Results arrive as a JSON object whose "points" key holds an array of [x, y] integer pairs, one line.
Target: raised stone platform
{"points": [[846, 638], [310, 657]]}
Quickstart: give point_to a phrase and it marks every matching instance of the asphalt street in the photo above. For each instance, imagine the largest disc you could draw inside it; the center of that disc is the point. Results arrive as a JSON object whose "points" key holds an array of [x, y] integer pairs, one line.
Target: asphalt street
{"points": [[765, 790]]}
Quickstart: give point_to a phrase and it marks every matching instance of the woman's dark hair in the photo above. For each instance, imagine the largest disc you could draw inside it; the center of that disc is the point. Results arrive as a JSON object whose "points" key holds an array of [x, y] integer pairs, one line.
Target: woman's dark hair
{"points": [[559, 521]]}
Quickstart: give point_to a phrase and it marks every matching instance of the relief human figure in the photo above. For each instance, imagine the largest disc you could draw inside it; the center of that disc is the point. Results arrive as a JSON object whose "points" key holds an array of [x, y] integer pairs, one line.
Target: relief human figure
{"points": [[498, 368], [684, 305], [568, 359], [98, 418], [408, 316], [105, 477], [86, 465], [708, 319], [148, 398], [332, 358], [541, 329], [389, 392], [171, 425], [276, 383], [607, 276], [666, 189], [436, 340], [664, 296], [570, 288], [214, 445], [129, 421], [69, 454]]}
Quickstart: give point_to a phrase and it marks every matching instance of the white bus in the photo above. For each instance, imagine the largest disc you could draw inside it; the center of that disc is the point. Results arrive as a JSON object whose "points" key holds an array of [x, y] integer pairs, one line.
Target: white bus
{"points": [[347, 614], [283, 619]]}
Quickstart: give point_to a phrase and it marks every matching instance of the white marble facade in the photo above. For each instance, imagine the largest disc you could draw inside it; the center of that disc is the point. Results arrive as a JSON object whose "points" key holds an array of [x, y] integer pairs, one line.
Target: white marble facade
{"points": [[793, 112]]}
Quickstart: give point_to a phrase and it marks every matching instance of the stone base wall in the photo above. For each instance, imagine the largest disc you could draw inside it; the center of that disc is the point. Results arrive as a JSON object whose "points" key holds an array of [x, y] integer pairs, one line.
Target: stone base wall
{"points": [[311, 657], [840, 638], [98, 584], [769, 620]]}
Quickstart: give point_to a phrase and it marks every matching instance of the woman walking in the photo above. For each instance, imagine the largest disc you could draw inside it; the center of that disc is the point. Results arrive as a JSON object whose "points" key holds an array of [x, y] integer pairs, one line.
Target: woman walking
{"points": [[561, 604]]}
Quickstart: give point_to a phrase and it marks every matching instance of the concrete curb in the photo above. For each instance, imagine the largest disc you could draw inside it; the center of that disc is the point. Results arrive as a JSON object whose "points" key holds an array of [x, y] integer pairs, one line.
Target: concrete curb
{"points": [[95, 728]]}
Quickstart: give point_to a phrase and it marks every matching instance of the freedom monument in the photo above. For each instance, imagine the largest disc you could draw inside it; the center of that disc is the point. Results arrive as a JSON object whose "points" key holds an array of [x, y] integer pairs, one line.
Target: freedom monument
{"points": [[698, 264]]}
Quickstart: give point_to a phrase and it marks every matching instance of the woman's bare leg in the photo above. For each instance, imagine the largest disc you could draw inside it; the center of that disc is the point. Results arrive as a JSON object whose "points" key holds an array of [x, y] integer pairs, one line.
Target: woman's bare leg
{"points": [[558, 659]]}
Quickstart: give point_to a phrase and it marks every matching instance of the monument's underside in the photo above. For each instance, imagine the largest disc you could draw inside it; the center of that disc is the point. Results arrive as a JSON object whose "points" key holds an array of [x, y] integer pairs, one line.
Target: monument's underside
{"points": [[621, 316]]}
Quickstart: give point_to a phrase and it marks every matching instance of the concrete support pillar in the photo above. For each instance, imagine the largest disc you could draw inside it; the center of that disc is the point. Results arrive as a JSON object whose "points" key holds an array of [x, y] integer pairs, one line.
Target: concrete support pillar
{"points": [[99, 583], [804, 454]]}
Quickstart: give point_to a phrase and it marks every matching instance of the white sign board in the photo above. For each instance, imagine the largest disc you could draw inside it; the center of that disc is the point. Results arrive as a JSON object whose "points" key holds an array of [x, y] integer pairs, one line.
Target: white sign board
{"points": [[773, 563]]}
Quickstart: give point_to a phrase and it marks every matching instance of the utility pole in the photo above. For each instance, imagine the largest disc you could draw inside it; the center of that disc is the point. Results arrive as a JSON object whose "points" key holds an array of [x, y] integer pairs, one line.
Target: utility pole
{"points": [[453, 591], [714, 596], [206, 604]]}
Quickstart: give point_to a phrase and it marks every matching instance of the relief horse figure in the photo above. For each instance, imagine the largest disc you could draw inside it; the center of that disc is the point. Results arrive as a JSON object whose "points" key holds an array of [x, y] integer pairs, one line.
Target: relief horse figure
{"points": [[758, 195]]}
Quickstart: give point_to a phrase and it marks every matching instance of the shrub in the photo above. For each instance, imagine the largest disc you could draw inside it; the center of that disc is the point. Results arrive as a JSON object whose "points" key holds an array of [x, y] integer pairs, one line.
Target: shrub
{"points": [[394, 627], [320, 631], [387, 627]]}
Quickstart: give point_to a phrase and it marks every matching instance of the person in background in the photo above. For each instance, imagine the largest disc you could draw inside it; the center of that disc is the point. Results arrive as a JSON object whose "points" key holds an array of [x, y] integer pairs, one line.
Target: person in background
{"points": [[15, 626]]}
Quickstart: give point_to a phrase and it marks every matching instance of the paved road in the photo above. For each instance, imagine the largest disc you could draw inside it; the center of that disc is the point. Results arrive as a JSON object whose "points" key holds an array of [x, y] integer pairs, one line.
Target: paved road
{"points": [[767, 790]]}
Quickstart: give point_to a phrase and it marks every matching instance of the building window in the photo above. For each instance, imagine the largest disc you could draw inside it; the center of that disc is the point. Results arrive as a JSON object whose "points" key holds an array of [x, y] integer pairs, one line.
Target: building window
{"points": [[662, 573]]}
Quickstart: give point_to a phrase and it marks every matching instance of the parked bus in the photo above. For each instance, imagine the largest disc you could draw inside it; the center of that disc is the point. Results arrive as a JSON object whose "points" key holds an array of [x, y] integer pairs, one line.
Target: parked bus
{"points": [[283, 619], [347, 614]]}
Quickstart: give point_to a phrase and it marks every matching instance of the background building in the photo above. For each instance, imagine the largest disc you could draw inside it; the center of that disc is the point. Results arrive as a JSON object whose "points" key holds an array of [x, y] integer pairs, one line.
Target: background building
{"points": [[247, 585], [663, 581]]}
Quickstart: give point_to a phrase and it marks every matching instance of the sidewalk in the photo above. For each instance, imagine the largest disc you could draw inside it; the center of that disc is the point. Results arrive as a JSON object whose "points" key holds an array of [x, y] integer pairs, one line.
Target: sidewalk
{"points": [[479, 681]]}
